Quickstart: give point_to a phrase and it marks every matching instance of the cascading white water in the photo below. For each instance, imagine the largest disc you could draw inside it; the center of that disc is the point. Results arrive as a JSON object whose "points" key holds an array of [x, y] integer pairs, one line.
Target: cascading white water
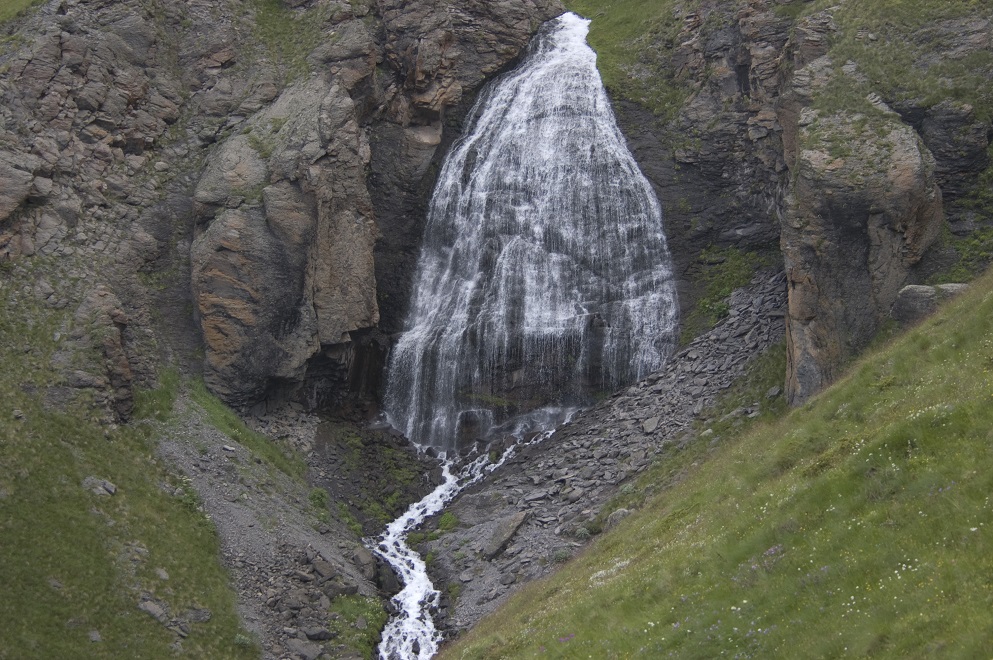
{"points": [[544, 276], [411, 632], [543, 279]]}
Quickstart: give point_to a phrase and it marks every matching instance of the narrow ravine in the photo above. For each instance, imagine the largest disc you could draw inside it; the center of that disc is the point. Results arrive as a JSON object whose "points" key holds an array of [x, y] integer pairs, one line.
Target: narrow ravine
{"points": [[411, 632], [544, 282]]}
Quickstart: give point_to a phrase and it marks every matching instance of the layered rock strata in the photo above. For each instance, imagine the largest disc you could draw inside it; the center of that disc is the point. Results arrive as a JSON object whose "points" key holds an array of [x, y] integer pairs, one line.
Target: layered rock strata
{"points": [[189, 144]]}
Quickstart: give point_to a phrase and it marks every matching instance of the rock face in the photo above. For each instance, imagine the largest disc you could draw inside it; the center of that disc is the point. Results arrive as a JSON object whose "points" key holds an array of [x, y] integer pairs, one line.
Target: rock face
{"points": [[306, 164], [718, 164], [309, 172], [854, 226], [285, 259], [862, 208], [854, 200], [282, 260]]}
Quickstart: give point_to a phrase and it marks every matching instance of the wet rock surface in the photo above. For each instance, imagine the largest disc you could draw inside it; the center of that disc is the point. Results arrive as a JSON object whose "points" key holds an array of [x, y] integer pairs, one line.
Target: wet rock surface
{"points": [[540, 507]]}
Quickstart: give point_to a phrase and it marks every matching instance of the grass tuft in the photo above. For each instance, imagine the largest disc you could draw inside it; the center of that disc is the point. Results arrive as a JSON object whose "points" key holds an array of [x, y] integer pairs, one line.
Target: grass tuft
{"points": [[356, 622], [157, 403], [10, 9]]}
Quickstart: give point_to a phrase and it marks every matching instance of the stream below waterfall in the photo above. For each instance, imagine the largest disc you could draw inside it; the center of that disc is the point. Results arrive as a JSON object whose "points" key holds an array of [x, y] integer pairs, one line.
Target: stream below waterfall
{"points": [[543, 283]]}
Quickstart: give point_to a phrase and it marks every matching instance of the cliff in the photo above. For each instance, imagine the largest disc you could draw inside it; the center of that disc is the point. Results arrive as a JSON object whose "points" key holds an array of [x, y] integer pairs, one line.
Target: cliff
{"points": [[851, 142], [270, 159]]}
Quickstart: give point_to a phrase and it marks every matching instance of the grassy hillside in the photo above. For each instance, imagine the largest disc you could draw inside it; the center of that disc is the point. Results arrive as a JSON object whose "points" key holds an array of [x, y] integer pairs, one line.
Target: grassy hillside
{"points": [[11, 8], [75, 564], [860, 524]]}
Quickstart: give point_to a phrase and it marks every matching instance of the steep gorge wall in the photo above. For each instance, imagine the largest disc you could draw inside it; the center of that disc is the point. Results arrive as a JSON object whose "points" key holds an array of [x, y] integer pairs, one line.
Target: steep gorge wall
{"points": [[177, 161], [256, 167], [765, 154], [339, 165]]}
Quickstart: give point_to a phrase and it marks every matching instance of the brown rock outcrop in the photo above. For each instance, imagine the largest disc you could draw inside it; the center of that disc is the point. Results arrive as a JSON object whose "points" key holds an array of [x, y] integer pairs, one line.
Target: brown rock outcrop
{"points": [[862, 207], [292, 229], [100, 326], [856, 221], [852, 200]]}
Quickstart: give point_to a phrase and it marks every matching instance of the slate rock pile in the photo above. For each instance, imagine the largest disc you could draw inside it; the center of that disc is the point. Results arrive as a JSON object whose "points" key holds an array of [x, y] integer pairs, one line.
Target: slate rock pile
{"points": [[543, 503]]}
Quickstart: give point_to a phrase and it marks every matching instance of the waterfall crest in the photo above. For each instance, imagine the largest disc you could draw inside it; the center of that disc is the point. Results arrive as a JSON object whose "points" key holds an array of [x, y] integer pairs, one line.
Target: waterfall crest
{"points": [[544, 278]]}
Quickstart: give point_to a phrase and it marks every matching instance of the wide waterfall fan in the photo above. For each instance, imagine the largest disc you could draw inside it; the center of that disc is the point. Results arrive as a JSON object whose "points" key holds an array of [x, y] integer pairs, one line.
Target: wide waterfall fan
{"points": [[544, 277]]}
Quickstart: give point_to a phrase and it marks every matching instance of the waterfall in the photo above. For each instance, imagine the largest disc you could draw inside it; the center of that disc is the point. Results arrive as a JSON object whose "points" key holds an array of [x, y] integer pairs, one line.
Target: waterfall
{"points": [[543, 280], [544, 277]]}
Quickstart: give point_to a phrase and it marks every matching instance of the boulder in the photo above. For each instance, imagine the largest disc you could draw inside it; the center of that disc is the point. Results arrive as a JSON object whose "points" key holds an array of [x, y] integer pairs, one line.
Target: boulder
{"points": [[914, 303], [101, 334], [502, 534], [15, 184]]}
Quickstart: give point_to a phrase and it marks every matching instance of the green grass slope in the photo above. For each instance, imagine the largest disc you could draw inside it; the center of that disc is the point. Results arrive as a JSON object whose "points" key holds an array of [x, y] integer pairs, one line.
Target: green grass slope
{"points": [[858, 525], [11, 8], [75, 565]]}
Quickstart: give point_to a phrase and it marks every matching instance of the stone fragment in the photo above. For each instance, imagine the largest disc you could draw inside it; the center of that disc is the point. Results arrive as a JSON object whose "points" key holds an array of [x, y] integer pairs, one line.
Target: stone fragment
{"points": [[303, 649], [317, 633], [99, 486], [15, 184], [154, 609], [324, 568], [503, 533], [616, 517]]}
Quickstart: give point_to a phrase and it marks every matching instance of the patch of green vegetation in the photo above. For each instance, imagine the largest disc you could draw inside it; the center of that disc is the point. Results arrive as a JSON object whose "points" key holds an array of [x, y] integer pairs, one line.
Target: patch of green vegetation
{"points": [[634, 40], [859, 524], [346, 516], [894, 43], [356, 622], [321, 502], [721, 271], [263, 145], [75, 561], [975, 253], [10, 9], [447, 522], [289, 35], [157, 403], [227, 421]]}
